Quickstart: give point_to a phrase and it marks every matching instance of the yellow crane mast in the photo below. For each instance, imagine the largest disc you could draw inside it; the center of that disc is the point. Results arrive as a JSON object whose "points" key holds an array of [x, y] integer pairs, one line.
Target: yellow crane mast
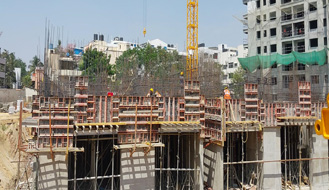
{"points": [[192, 40]]}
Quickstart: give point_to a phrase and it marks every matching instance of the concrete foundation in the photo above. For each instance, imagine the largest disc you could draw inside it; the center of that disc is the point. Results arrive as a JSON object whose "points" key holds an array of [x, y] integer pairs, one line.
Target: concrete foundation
{"points": [[52, 174], [272, 151], [319, 168], [137, 172], [213, 166]]}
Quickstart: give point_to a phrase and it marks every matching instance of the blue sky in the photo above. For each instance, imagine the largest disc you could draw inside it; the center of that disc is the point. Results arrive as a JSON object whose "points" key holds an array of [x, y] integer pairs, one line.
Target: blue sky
{"points": [[22, 22]]}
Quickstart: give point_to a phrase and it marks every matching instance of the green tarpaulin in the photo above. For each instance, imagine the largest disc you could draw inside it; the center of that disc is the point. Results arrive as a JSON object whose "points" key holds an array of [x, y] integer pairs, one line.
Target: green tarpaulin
{"points": [[267, 61]]}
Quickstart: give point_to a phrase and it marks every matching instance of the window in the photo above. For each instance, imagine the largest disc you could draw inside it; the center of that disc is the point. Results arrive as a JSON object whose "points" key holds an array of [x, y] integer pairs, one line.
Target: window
{"points": [[275, 65], [265, 33], [224, 66], [273, 32], [301, 67], [274, 81], [264, 17], [230, 65], [264, 2], [235, 65], [258, 34], [286, 80], [258, 50], [324, 22], [258, 19], [287, 67], [315, 79], [325, 39], [272, 15], [272, 2], [301, 78], [313, 24], [258, 3], [215, 55], [312, 6], [273, 48], [265, 49], [230, 75], [314, 42]]}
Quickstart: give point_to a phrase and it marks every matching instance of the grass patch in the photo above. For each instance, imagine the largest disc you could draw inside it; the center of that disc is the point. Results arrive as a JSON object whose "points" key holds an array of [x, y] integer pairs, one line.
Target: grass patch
{"points": [[4, 127]]}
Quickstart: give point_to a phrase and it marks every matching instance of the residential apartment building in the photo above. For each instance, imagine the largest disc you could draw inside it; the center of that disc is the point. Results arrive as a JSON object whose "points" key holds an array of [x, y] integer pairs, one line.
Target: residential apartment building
{"points": [[115, 48], [287, 28], [159, 43], [225, 56], [2, 71]]}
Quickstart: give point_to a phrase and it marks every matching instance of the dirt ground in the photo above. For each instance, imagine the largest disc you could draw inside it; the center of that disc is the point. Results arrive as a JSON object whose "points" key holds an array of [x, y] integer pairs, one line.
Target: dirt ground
{"points": [[8, 148]]}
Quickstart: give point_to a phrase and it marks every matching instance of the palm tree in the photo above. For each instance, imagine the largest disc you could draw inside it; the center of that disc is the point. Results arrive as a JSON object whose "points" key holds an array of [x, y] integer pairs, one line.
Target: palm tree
{"points": [[35, 62]]}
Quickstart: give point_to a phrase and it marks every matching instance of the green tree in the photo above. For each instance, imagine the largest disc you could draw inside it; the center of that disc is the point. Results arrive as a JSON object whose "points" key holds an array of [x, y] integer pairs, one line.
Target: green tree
{"points": [[35, 62], [238, 82], [10, 76], [95, 63], [20, 64], [143, 67], [26, 81]]}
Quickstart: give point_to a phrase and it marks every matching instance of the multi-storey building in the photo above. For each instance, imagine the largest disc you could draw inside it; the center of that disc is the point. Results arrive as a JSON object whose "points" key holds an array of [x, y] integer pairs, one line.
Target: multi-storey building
{"points": [[287, 28], [225, 56], [115, 48], [2, 71]]}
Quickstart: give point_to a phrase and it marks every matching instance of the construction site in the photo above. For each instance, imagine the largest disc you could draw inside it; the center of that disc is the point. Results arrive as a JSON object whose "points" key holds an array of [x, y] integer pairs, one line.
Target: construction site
{"points": [[83, 136]]}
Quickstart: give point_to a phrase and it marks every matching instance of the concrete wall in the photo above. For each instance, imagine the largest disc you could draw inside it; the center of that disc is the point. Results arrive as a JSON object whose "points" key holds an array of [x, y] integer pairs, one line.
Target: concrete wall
{"points": [[137, 172], [11, 95], [319, 168], [213, 166], [52, 174], [272, 151]]}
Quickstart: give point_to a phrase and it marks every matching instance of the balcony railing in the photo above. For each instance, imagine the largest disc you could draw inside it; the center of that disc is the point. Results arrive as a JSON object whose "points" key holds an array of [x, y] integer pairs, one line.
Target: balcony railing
{"points": [[296, 33]]}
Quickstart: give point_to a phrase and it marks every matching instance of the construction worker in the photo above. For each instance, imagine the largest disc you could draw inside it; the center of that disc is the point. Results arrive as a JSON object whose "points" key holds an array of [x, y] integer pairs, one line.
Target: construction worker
{"points": [[227, 93], [157, 94], [150, 94]]}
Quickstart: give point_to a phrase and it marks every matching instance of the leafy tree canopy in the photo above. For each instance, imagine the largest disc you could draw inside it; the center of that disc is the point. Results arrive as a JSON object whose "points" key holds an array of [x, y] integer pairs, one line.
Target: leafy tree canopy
{"points": [[238, 82], [95, 63]]}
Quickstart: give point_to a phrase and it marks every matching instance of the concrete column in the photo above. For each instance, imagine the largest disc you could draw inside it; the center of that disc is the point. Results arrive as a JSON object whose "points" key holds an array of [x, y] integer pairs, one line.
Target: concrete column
{"points": [[272, 151], [201, 170], [137, 172], [52, 174], [93, 161], [213, 166], [319, 168]]}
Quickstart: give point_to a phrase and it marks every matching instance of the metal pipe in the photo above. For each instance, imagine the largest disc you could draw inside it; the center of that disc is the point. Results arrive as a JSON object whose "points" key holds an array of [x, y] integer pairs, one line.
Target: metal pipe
{"points": [[300, 156], [285, 157], [227, 159], [96, 167], [75, 165], [178, 137], [112, 181], [160, 163], [242, 141], [271, 161]]}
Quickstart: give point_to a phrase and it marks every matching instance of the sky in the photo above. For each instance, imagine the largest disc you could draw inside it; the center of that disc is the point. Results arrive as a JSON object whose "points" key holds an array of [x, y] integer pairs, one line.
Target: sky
{"points": [[22, 22]]}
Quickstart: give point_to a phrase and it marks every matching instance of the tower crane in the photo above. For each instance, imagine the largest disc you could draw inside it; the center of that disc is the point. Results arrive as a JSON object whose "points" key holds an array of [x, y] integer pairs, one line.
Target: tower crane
{"points": [[192, 40]]}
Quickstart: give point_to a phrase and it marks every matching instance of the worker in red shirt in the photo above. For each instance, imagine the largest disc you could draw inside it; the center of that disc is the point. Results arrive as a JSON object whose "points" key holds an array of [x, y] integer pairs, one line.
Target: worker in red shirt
{"points": [[227, 93]]}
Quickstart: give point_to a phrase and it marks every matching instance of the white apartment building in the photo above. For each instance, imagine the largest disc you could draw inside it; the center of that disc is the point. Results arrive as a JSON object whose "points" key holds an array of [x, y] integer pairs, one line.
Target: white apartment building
{"points": [[159, 43], [224, 55], [283, 27], [115, 48]]}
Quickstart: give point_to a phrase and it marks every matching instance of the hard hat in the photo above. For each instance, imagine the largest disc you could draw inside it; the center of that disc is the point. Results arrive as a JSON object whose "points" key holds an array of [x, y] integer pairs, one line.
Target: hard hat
{"points": [[181, 73], [225, 87], [151, 89]]}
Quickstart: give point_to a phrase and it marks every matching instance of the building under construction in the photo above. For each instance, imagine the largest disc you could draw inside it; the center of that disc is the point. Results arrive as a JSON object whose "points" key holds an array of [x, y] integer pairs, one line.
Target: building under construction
{"points": [[121, 142], [86, 138]]}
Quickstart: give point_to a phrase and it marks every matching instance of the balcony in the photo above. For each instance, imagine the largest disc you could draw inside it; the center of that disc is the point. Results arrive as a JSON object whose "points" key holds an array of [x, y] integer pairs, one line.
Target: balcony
{"points": [[298, 32]]}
